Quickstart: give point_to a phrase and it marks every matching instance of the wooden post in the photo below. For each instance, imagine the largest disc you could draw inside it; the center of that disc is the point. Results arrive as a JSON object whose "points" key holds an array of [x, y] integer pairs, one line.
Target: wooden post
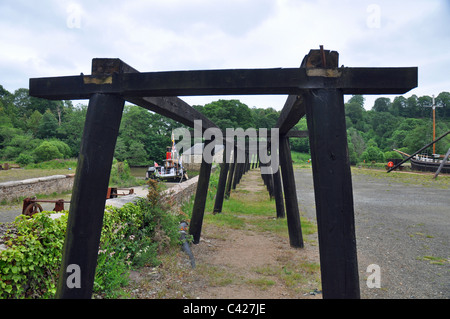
{"points": [[278, 194], [224, 167], [237, 174], [79, 258], [231, 173], [333, 193], [290, 194], [198, 211]]}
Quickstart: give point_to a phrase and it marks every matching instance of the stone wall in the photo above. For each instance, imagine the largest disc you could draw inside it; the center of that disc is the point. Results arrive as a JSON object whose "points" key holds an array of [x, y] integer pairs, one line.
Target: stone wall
{"points": [[177, 194], [182, 192], [10, 191]]}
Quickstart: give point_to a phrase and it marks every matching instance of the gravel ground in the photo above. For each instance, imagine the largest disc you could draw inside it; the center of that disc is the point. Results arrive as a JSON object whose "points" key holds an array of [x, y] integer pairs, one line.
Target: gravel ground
{"points": [[403, 228]]}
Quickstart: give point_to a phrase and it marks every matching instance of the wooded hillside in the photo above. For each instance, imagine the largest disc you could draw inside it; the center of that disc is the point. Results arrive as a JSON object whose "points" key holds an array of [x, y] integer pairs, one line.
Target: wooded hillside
{"points": [[34, 130]]}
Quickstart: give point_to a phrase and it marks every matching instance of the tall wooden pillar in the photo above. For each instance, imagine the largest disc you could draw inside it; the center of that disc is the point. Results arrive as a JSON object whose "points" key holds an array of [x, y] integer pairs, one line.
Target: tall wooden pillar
{"points": [[231, 173], [198, 211], [290, 194], [333, 193], [79, 258], [278, 194], [224, 168]]}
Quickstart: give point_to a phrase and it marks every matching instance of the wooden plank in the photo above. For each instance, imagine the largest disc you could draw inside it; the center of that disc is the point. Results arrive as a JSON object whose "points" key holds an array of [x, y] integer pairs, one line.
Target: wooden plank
{"points": [[228, 82], [87, 207], [290, 194], [333, 193]]}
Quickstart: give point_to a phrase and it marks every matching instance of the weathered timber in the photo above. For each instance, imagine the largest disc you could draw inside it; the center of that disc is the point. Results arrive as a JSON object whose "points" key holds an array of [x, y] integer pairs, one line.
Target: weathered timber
{"points": [[220, 194], [292, 81], [333, 193], [315, 89], [290, 194], [87, 207], [292, 111], [168, 106], [444, 160], [278, 194], [231, 173], [319, 62], [198, 211]]}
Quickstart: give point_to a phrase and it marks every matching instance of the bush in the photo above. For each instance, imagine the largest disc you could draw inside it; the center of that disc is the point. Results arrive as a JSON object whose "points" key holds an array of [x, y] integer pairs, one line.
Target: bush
{"points": [[29, 268], [25, 159], [47, 151], [55, 164], [131, 236], [373, 153]]}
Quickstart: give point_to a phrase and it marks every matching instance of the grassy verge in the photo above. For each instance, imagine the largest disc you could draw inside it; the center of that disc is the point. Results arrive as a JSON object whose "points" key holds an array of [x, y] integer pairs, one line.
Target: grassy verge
{"points": [[411, 178]]}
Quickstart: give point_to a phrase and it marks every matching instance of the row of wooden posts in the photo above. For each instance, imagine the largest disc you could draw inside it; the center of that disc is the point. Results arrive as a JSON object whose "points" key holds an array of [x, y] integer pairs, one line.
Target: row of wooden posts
{"points": [[316, 90]]}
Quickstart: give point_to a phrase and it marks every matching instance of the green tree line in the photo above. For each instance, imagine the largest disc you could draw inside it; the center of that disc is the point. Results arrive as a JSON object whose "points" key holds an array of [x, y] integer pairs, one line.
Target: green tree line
{"points": [[34, 130], [405, 124]]}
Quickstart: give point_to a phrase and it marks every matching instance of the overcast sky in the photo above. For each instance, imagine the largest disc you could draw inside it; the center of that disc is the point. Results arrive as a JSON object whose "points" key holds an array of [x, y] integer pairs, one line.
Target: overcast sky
{"points": [[58, 37]]}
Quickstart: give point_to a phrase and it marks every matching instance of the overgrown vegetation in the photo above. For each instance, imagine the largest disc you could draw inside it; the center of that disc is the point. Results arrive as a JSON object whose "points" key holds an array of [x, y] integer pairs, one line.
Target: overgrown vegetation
{"points": [[132, 236]]}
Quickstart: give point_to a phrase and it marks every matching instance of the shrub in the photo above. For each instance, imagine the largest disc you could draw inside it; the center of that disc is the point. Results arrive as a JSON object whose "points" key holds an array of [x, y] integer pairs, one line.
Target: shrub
{"points": [[131, 236], [121, 175], [25, 159], [29, 268], [47, 151], [373, 153]]}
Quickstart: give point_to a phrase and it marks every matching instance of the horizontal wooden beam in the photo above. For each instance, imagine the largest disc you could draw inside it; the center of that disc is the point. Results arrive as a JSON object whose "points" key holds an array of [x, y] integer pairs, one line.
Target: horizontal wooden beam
{"points": [[228, 82], [171, 107], [293, 110]]}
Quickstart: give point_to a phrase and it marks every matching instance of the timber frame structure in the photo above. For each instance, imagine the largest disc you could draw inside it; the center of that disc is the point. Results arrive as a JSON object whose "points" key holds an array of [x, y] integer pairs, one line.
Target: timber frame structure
{"points": [[315, 90]]}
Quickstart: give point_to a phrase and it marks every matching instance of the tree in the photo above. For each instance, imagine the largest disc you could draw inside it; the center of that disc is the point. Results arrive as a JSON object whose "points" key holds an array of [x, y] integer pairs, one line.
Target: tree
{"points": [[443, 100], [382, 104], [136, 154], [398, 106], [33, 122], [229, 114], [373, 153], [71, 129], [47, 126], [354, 110]]}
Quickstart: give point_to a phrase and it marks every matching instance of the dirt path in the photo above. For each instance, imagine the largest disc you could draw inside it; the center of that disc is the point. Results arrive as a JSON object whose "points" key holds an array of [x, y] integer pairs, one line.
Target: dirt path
{"points": [[236, 263]]}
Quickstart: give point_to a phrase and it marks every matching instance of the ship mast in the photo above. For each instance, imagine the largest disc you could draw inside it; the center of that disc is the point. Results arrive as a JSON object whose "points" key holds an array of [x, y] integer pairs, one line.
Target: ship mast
{"points": [[434, 122]]}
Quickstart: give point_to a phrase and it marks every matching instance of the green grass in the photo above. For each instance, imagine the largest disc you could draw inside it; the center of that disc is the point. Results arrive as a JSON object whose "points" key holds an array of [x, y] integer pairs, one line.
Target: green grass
{"points": [[411, 178], [434, 260], [248, 209], [300, 159]]}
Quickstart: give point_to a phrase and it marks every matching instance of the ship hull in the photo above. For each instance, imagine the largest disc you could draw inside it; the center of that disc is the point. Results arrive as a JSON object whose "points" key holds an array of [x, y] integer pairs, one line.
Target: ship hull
{"points": [[423, 166]]}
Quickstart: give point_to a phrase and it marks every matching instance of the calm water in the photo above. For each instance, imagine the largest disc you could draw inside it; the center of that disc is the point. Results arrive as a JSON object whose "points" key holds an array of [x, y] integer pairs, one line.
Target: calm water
{"points": [[138, 171]]}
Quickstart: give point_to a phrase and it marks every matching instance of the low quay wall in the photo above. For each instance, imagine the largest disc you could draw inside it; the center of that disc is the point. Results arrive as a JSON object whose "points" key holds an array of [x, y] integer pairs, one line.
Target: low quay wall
{"points": [[10, 191], [176, 194]]}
